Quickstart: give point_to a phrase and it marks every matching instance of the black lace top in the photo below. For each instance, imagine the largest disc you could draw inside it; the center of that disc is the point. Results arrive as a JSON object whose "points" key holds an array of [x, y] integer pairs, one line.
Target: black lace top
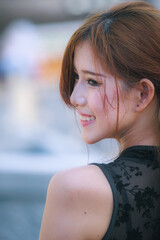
{"points": [[135, 181]]}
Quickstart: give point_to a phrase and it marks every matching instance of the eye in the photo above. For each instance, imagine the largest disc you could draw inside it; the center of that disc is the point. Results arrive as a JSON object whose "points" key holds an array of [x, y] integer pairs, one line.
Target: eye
{"points": [[76, 76], [93, 82]]}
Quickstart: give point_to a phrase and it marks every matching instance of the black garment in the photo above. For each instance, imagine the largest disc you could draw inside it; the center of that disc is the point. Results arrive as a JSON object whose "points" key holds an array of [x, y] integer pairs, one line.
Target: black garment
{"points": [[135, 181]]}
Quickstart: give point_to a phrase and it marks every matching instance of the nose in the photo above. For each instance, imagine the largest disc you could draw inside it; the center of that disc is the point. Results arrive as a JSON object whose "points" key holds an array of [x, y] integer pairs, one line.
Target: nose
{"points": [[78, 96]]}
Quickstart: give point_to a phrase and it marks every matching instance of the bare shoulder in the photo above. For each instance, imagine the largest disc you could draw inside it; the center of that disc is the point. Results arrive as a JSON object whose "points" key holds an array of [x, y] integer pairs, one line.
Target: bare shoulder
{"points": [[88, 178], [82, 197]]}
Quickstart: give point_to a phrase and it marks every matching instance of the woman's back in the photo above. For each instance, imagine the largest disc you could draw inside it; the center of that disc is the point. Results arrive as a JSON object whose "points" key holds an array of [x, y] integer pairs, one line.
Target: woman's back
{"points": [[119, 202], [135, 181]]}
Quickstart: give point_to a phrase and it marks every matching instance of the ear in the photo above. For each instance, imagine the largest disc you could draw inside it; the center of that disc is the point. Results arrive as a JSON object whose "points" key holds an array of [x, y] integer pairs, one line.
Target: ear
{"points": [[146, 92]]}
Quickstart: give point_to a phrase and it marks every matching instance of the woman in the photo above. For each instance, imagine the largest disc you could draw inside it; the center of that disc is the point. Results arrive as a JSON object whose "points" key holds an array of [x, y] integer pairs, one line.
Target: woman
{"points": [[111, 77]]}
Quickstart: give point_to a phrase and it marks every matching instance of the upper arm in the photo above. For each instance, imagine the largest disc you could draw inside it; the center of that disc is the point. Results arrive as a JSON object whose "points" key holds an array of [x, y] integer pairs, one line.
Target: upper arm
{"points": [[78, 206]]}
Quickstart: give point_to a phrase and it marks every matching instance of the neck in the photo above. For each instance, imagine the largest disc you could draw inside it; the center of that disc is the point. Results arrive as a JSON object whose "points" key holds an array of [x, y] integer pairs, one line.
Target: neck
{"points": [[141, 136]]}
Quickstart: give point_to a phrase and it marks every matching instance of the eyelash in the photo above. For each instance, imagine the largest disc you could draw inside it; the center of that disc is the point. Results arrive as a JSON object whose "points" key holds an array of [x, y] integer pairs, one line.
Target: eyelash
{"points": [[91, 82], [76, 76]]}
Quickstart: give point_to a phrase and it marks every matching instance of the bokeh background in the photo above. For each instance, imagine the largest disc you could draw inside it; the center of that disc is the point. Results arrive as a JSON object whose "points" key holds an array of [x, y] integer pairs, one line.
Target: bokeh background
{"points": [[39, 135]]}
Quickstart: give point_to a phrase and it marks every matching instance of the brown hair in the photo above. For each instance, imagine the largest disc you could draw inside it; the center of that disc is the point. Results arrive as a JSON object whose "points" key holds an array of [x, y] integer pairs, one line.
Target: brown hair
{"points": [[126, 38]]}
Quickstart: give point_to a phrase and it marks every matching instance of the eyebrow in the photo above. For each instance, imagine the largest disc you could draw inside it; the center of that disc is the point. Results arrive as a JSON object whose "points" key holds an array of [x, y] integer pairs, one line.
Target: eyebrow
{"points": [[92, 73]]}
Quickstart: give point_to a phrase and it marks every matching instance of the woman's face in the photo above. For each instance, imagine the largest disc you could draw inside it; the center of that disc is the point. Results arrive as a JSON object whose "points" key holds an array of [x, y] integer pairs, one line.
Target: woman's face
{"points": [[95, 98]]}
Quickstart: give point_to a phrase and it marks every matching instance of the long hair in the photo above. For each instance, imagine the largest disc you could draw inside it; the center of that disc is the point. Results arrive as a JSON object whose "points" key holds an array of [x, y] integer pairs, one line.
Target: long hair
{"points": [[126, 38]]}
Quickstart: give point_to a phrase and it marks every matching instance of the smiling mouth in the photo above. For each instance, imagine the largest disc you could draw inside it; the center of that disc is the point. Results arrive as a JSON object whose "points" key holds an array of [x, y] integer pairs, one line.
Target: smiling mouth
{"points": [[87, 119]]}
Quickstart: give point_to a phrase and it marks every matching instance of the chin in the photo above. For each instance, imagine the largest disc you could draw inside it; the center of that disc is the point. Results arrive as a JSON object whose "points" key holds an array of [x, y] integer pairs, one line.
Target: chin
{"points": [[90, 140]]}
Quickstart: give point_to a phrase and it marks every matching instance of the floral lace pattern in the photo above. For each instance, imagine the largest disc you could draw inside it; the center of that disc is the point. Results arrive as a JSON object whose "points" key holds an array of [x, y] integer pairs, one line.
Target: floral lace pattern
{"points": [[135, 181]]}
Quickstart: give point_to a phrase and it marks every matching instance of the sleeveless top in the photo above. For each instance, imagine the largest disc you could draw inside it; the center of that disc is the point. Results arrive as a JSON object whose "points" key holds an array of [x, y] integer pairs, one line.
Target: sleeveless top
{"points": [[134, 178]]}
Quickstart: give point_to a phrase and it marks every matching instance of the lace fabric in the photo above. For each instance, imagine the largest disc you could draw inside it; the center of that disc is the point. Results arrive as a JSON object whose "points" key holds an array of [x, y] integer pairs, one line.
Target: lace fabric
{"points": [[135, 181]]}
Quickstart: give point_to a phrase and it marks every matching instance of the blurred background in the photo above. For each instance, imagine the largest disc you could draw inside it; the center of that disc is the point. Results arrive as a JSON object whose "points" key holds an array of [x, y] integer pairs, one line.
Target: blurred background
{"points": [[39, 135]]}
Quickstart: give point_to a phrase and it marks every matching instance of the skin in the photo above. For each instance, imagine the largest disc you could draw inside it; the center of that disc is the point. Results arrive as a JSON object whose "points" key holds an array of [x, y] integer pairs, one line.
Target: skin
{"points": [[137, 106], [78, 206], [79, 201]]}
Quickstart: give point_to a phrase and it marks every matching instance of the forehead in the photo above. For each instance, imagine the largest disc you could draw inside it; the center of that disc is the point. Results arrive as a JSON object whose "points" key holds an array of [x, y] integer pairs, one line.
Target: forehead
{"points": [[84, 58], [83, 53]]}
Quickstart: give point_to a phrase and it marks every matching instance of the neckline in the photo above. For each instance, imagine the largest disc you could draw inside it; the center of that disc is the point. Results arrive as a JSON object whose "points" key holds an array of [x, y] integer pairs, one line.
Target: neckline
{"points": [[141, 151], [140, 147]]}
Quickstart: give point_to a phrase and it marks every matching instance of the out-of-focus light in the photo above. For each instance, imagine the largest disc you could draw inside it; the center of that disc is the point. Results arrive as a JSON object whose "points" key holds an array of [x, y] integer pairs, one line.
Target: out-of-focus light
{"points": [[79, 7], [20, 45]]}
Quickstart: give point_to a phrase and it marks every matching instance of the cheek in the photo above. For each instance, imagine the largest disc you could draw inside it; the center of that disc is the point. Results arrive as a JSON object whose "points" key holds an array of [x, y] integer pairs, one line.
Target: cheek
{"points": [[111, 97], [96, 102], [103, 102]]}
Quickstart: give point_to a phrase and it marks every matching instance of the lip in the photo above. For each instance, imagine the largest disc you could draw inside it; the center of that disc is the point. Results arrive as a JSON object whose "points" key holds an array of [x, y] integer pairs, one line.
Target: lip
{"points": [[84, 114], [85, 123]]}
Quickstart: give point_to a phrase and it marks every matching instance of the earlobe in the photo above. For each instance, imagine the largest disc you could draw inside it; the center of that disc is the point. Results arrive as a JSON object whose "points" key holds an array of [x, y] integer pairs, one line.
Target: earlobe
{"points": [[146, 93]]}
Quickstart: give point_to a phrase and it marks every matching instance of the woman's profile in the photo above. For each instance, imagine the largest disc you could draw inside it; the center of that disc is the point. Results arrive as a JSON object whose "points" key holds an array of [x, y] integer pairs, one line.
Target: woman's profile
{"points": [[111, 78]]}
